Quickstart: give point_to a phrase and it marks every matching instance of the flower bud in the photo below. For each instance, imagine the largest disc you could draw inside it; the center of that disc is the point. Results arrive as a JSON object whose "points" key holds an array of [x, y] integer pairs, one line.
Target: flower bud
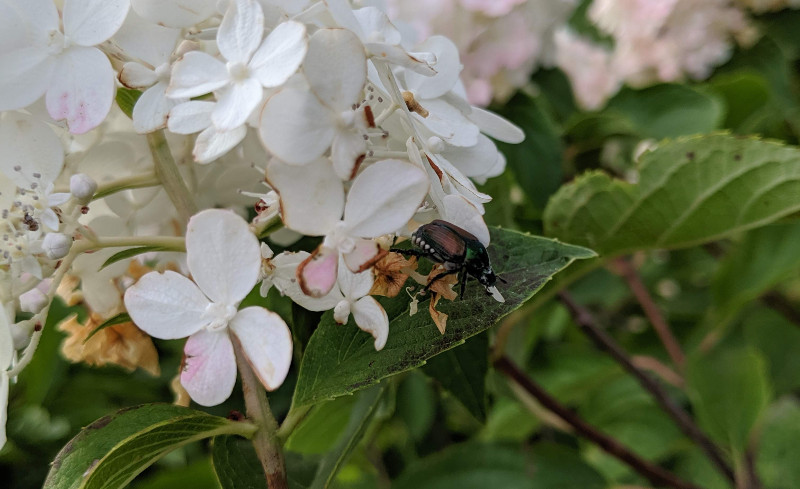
{"points": [[56, 245], [32, 301], [82, 187]]}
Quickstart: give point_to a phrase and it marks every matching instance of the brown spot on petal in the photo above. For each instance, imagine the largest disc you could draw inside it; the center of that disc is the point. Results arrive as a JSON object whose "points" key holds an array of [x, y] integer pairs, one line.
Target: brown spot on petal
{"points": [[438, 170], [368, 264], [356, 166]]}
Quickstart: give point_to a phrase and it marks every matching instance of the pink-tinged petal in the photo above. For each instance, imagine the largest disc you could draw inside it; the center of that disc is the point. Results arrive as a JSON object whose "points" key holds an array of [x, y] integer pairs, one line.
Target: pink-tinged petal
{"points": [[152, 109], [462, 213], [222, 254], [166, 305], [197, 73], [267, 344], [90, 22], [145, 40], [296, 127], [235, 103], [448, 67], [241, 30], [384, 197], [190, 117], [280, 54], [365, 253], [336, 67], [209, 370], [311, 196], [354, 285], [347, 152], [284, 277], [33, 147], [82, 89], [26, 75], [317, 274], [175, 13], [136, 75], [372, 318], [495, 126], [212, 143]]}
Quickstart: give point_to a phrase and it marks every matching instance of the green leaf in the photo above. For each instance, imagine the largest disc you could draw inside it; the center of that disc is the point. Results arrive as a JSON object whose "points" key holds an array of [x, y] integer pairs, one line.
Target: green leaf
{"points": [[110, 452], [322, 426], [475, 465], [729, 390], [199, 475], [126, 99], [666, 111], [120, 318], [131, 252], [745, 94], [360, 417], [236, 465], [462, 371], [690, 191], [415, 403], [341, 359], [537, 161], [779, 341], [764, 258], [778, 448]]}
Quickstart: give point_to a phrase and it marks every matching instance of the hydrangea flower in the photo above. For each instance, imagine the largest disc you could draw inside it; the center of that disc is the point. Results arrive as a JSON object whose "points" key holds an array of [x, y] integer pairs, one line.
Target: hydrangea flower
{"points": [[6, 357], [224, 259]]}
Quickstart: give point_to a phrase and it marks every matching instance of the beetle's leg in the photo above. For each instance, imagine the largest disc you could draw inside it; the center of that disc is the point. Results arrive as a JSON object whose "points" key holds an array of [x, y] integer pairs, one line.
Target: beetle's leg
{"points": [[463, 280], [441, 275], [408, 252], [502, 279]]}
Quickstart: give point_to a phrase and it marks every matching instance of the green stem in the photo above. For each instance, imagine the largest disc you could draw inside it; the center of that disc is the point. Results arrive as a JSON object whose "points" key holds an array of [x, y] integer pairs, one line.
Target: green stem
{"points": [[266, 441], [170, 177], [293, 419], [126, 183], [169, 243]]}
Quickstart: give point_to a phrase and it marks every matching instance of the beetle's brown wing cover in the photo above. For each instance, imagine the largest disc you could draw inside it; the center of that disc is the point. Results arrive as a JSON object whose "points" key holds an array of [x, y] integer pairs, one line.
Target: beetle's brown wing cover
{"points": [[445, 239]]}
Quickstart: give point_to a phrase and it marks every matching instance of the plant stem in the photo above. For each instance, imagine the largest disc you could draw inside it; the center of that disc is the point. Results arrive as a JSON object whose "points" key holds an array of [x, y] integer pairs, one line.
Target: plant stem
{"points": [[604, 341], [167, 171], [265, 441], [126, 183], [655, 474], [293, 419], [170, 243], [651, 310]]}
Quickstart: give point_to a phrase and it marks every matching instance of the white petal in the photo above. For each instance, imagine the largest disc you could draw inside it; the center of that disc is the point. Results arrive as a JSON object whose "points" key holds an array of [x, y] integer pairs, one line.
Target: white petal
{"points": [[312, 197], [280, 54], [373, 20], [195, 74], [25, 23], [447, 66], [31, 145], [175, 13], [473, 161], [209, 372], [152, 109], [342, 13], [347, 150], [317, 273], [267, 343], [364, 253], [241, 30], [6, 341], [396, 55], [166, 306], [190, 117], [82, 89], [296, 127], [496, 126], [212, 143], [336, 67], [136, 75], [3, 407], [222, 254], [26, 75], [462, 213], [354, 285], [448, 123], [90, 22], [384, 197], [372, 318], [146, 40], [464, 184], [341, 313], [235, 103]]}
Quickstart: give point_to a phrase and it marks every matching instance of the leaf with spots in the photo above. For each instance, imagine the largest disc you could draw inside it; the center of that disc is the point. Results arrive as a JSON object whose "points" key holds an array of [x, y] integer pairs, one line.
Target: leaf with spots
{"points": [[341, 359], [690, 191]]}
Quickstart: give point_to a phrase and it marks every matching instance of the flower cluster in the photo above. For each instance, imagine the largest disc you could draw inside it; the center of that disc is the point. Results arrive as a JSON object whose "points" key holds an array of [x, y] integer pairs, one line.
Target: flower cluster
{"points": [[321, 116]]}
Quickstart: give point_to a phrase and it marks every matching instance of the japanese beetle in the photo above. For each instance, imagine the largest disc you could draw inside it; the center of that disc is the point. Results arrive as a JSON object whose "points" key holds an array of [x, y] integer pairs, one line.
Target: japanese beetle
{"points": [[458, 250]]}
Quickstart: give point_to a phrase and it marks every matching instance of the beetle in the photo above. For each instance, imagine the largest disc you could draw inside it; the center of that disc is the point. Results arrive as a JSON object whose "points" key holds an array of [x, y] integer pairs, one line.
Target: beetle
{"points": [[458, 250]]}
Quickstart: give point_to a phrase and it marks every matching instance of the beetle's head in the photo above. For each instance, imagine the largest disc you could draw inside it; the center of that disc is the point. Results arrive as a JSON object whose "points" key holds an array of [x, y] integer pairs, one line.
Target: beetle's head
{"points": [[488, 279]]}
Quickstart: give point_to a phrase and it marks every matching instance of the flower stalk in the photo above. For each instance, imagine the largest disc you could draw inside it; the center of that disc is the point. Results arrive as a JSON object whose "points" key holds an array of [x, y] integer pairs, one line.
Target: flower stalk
{"points": [[169, 175]]}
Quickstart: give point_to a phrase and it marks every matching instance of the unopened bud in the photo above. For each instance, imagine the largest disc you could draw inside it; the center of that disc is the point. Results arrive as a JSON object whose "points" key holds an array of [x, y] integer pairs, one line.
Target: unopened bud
{"points": [[56, 245], [32, 301], [82, 187]]}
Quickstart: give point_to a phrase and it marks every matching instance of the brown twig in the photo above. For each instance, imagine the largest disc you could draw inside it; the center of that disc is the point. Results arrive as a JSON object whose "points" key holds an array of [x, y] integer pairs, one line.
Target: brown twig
{"points": [[655, 474], [604, 341], [265, 441], [651, 310]]}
